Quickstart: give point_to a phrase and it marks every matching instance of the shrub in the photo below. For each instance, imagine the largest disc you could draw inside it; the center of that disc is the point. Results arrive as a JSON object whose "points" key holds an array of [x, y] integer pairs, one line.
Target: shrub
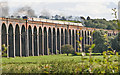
{"points": [[87, 54], [67, 49]]}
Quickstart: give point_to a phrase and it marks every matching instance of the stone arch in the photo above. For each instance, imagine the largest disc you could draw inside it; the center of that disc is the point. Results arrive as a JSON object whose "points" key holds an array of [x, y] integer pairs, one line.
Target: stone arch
{"points": [[4, 36], [17, 40], [23, 35], [45, 41], [70, 37], [35, 40], [49, 40], [11, 41], [58, 40], [30, 40], [54, 41], [73, 36], [40, 41]]}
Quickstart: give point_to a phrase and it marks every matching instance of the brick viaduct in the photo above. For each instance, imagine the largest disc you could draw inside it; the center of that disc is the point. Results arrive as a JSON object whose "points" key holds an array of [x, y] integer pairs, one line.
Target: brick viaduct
{"points": [[44, 38]]}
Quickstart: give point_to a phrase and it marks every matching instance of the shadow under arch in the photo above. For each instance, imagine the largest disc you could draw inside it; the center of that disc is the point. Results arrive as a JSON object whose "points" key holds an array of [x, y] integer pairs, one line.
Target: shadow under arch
{"points": [[4, 37], [17, 41], [58, 40], [54, 41], [40, 41], [83, 41], [62, 37], [30, 40], [76, 41], [35, 41], [45, 41], [70, 37], [49, 40], [11, 41], [73, 41], [66, 36], [23, 35]]}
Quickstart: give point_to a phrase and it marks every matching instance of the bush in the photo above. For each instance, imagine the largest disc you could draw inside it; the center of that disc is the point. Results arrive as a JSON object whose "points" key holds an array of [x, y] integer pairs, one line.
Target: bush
{"points": [[67, 49], [87, 48], [87, 54]]}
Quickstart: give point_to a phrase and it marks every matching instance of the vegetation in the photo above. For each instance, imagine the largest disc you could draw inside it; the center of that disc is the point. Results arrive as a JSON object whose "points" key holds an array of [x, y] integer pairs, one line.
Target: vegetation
{"points": [[115, 42], [99, 41], [101, 24], [106, 61], [67, 49], [60, 64]]}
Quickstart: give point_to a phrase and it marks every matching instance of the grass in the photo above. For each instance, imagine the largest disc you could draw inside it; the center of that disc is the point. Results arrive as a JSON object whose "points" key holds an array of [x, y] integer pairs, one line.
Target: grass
{"points": [[44, 64]]}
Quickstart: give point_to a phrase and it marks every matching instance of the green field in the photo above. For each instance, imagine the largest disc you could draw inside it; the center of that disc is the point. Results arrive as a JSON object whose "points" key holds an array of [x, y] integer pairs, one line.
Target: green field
{"points": [[48, 64]]}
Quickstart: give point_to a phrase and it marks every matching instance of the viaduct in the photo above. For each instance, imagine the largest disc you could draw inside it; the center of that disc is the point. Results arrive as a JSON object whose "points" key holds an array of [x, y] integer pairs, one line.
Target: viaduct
{"points": [[44, 37]]}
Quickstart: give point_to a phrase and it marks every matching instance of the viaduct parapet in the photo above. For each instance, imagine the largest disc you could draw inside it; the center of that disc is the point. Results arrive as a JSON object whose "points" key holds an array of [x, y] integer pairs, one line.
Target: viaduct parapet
{"points": [[44, 38]]}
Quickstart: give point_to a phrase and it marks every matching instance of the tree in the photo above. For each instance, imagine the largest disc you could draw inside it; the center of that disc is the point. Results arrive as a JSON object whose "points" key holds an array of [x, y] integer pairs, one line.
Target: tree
{"points": [[99, 41], [115, 42], [88, 18], [67, 49], [82, 17], [63, 18]]}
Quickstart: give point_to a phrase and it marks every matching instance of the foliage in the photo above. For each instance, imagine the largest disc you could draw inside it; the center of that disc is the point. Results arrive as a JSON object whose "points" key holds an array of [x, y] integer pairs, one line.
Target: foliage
{"points": [[107, 64], [101, 24], [67, 49], [88, 18], [51, 64], [87, 54], [115, 42], [87, 48], [99, 40], [4, 54]]}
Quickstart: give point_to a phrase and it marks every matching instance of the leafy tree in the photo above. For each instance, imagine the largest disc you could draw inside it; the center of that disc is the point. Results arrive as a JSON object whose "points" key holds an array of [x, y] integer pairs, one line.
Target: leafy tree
{"points": [[111, 27], [115, 42], [82, 17], [99, 42], [101, 24], [63, 18], [88, 18], [67, 49]]}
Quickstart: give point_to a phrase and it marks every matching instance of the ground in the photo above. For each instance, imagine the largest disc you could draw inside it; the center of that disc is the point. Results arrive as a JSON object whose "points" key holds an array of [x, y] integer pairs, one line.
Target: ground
{"points": [[46, 64]]}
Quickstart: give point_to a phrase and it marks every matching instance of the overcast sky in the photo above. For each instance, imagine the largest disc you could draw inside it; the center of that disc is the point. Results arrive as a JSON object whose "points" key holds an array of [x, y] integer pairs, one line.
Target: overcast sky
{"points": [[92, 8]]}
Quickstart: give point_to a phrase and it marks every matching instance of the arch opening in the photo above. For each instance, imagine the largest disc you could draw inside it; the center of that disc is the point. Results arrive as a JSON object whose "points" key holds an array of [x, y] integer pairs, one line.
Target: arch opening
{"points": [[58, 40], [35, 41], [49, 40], [40, 41], [11, 41], [70, 37], [23, 34], [45, 41], [62, 37], [4, 37], [54, 41], [73, 39], [17, 41], [83, 40], [76, 41], [30, 40], [66, 36]]}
